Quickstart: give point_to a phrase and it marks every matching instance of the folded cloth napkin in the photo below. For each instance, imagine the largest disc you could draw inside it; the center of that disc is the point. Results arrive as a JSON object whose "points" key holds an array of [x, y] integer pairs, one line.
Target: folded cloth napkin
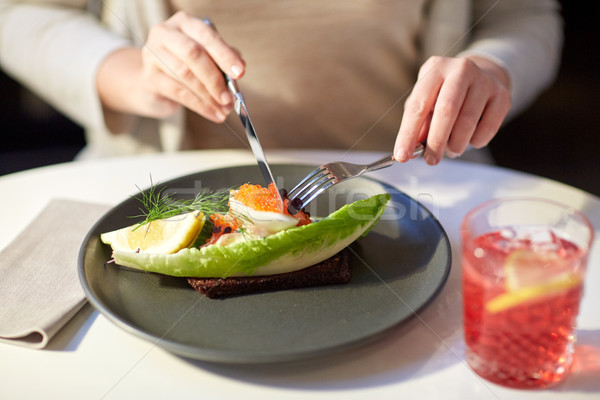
{"points": [[39, 284]]}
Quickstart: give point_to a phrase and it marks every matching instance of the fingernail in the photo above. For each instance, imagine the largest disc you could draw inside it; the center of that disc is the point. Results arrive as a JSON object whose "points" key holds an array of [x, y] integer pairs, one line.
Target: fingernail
{"points": [[430, 159], [451, 154], [220, 116], [226, 98], [401, 156], [236, 71]]}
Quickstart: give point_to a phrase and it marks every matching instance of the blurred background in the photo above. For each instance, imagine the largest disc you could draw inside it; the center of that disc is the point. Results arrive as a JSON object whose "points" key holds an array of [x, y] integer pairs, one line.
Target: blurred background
{"points": [[555, 138]]}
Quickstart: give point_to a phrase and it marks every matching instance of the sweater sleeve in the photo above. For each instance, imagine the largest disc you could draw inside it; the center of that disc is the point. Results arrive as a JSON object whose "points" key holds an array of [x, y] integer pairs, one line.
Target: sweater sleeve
{"points": [[525, 37], [55, 50]]}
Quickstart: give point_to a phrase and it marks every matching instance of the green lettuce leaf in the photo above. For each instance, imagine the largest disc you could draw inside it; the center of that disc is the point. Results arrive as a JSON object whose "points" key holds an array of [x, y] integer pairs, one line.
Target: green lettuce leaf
{"points": [[285, 251]]}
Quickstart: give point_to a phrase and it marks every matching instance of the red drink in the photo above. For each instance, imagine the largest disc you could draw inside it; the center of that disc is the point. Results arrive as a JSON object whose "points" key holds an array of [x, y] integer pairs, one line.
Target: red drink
{"points": [[521, 294]]}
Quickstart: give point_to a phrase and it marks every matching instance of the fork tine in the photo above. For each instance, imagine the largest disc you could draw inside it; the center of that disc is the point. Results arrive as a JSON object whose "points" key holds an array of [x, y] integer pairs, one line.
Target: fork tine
{"points": [[315, 191], [313, 184], [306, 182]]}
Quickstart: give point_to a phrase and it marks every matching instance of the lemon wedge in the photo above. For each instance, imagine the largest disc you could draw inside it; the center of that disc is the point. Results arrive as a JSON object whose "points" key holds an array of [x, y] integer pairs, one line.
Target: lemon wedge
{"points": [[163, 236], [531, 275], [562, 282]]}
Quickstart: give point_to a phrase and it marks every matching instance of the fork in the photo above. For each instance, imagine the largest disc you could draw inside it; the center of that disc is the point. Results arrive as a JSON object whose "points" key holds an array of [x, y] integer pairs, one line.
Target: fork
{"points": [[327, 175]]}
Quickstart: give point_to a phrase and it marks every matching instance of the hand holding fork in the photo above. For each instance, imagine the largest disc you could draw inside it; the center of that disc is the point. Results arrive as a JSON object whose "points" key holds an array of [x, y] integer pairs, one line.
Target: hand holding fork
{"points": [[327, 175]]}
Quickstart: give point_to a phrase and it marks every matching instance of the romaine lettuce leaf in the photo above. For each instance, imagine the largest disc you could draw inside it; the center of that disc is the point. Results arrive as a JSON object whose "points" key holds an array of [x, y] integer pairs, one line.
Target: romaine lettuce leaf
{"points": [[285, 251]]}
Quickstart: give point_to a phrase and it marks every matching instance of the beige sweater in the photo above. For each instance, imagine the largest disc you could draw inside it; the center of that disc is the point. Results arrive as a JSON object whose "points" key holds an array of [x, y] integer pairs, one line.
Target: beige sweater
{"points": [[320, 74]]}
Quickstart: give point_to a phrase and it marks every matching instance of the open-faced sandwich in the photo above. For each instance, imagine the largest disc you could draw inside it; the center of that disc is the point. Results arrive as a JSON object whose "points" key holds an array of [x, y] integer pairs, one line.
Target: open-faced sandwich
{"points": [[252, 244]]}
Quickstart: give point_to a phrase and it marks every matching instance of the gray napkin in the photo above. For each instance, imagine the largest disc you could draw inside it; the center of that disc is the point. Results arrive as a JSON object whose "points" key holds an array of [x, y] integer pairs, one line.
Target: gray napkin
{"points": [[39, 284]]}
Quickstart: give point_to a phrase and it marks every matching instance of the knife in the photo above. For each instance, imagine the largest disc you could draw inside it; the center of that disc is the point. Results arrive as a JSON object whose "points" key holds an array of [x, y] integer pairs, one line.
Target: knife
{"points": [[240, 108]]}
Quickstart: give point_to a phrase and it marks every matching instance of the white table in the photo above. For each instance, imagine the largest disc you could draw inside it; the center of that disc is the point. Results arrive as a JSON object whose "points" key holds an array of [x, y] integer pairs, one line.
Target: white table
{"points": [[91, 358]]}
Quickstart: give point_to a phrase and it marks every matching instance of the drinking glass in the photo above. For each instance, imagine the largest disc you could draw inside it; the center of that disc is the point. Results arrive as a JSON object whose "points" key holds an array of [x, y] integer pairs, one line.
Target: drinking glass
{"points": [[523, 268]]}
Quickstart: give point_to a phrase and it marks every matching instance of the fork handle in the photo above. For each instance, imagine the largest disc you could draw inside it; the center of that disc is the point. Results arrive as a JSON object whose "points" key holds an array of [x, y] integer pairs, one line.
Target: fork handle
{"points": [[388, 160], [384, 162]]}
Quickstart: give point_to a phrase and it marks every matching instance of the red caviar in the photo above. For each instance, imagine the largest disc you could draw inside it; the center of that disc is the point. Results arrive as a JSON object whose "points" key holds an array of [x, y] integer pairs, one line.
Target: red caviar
{"points": [[302, 216], [222, 224], [258, 197], [268, 199]]}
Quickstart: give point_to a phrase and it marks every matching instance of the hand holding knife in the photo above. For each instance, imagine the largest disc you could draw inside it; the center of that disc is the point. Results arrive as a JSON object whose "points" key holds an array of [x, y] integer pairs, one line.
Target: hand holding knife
{"points": [[241, 109]]}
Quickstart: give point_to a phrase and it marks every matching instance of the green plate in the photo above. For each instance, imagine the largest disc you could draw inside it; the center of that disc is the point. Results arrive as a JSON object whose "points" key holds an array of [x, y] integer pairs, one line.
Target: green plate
{"points": [[398, 268]]}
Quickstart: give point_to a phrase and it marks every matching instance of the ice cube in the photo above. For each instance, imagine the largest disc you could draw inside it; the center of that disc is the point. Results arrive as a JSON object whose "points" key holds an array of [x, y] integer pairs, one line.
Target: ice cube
{"points": [[508, 233], [541, 236]]}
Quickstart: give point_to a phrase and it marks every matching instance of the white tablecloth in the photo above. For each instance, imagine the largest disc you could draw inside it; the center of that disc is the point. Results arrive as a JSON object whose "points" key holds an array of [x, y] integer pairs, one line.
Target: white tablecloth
{"points": [[91, 358]]}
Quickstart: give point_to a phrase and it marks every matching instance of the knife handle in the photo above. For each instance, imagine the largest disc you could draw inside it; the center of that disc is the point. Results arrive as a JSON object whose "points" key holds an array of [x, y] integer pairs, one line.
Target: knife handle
{"points": [[231, 84]]}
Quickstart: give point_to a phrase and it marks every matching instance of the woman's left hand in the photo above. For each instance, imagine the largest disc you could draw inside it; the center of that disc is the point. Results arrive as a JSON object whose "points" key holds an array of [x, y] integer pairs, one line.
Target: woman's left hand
{"points": [[455, 102]]}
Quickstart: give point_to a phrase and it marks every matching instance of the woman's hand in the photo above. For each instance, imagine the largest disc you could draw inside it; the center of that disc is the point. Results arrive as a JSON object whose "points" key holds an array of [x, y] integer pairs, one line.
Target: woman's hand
{"points": [[180, 65], [455, 102]]}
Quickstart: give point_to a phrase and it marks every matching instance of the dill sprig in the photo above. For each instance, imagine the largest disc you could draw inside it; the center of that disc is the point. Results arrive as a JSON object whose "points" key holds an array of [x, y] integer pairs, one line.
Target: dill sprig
{"points": [[159, 205]]}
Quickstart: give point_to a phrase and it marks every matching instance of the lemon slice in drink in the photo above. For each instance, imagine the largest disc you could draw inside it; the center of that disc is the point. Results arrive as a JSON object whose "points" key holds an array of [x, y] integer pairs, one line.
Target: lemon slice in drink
{"points": [[531, 275], [526, 268], [163, 236]]}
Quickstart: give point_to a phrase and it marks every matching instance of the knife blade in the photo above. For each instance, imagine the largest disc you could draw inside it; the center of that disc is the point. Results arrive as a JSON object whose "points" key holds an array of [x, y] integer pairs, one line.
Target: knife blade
{"points": [[241, 110]]}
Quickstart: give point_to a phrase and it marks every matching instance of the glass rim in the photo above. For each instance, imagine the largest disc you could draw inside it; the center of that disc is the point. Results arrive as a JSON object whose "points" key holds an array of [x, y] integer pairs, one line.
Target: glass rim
{"points": [[512, 199]]}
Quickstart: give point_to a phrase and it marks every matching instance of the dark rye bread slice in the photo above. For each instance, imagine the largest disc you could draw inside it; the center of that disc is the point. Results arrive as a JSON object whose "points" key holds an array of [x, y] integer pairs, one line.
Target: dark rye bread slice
{"points": [[334, 270]]}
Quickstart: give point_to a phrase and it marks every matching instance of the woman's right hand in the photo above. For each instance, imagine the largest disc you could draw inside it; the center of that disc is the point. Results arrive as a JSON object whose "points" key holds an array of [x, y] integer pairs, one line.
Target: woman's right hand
{"points": [[180, 65]]}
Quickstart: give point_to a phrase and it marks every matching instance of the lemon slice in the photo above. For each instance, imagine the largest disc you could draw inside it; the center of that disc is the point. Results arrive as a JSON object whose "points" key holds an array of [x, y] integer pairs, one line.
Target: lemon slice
{"points": [[531, 275], [562, 282], [524, 268], [163, 236]]}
